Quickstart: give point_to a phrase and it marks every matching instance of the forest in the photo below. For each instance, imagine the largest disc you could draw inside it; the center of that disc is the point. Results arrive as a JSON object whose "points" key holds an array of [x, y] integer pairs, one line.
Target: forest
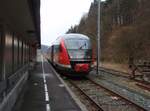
{"points": [[125, 30]]}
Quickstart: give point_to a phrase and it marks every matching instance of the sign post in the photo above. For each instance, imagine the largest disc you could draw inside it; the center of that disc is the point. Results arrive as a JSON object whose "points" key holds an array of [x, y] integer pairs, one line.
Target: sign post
{"points": [[98, 35]]}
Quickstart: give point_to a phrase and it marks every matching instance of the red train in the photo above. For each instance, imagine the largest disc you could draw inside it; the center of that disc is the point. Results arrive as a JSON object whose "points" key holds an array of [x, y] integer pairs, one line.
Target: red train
{"points": [[71, 53]]}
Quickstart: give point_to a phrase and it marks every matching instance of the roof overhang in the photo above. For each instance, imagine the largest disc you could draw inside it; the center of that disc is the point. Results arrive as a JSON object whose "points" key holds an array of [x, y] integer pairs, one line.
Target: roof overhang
{"points": [[23, 17]]}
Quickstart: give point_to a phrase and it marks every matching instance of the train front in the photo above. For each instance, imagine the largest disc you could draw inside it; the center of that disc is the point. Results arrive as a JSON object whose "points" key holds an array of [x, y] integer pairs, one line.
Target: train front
{"points": [[79, 51]]}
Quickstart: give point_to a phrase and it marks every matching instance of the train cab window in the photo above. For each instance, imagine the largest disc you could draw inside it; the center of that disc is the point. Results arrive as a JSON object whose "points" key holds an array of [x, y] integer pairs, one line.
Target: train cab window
{"points": [[77, 44], [79, 48]]}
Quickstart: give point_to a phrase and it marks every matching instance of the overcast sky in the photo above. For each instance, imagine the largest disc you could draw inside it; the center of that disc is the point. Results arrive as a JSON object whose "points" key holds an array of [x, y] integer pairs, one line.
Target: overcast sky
{"points": [[57, 16]]}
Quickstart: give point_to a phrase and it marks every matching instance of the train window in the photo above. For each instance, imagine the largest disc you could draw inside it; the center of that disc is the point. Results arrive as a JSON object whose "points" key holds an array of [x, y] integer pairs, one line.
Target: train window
{"points": [[56, 48], [77, 44]]}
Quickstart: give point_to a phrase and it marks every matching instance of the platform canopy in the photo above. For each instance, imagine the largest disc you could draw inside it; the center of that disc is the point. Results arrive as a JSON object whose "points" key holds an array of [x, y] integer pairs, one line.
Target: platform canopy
{"points": [[22, 17]]}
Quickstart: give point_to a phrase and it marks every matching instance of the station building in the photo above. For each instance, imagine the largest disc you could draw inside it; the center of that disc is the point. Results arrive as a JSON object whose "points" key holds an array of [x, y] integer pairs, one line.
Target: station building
{"points": [[19, 40]]}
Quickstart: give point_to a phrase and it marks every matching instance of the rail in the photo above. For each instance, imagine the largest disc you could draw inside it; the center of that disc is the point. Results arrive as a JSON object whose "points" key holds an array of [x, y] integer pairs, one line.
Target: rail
{"points": [[107, 92], [94, 103]]}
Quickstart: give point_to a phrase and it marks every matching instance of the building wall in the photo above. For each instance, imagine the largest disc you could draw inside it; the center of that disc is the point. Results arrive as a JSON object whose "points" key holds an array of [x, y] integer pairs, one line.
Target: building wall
{"points": [[15, 56]]}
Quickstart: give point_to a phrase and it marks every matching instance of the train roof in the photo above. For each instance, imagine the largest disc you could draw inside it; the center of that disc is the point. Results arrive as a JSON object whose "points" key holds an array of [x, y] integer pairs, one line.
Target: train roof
{"points": [[74, 36], [70, 36]]}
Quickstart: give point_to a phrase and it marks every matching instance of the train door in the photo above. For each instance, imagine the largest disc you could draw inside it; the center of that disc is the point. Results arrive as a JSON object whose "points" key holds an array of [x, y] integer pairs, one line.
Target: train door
{"points": [[56, 53], [52, 54]]}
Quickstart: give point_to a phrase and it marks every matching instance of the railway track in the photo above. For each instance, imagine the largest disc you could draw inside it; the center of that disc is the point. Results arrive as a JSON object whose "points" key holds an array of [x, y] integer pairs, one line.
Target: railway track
{"points": [[145, 85], [102, 98]]}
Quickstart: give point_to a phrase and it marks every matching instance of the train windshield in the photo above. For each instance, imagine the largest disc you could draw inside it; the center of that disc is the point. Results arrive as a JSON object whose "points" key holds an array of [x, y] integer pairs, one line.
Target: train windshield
{"points": [[79, 48], [77, 44]]}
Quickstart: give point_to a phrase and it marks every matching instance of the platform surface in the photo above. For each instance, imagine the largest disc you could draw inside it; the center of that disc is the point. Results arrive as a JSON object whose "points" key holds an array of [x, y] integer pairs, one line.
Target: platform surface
{"points": [[46, 92]]}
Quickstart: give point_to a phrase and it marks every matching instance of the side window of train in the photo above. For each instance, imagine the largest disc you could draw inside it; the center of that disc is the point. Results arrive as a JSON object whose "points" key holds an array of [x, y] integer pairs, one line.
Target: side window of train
{"points": [[56, 48], [60, 48]]}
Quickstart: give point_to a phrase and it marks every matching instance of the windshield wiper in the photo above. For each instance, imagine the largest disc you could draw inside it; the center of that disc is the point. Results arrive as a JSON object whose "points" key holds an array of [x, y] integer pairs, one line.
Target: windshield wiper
{"points": [[82, 45]]}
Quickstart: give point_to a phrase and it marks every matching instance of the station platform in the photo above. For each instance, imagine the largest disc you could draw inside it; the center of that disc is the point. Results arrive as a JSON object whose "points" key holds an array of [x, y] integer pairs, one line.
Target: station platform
{"points": [[46, 92]]}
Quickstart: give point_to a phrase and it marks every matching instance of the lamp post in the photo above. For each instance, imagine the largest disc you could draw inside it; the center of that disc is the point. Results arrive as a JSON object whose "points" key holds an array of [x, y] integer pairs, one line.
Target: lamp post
{"points": [[98, 35]]}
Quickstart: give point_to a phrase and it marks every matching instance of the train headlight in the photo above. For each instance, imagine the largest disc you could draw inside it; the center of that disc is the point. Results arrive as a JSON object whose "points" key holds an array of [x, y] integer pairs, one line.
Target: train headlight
{"points": [[88, 57], [71, 56]]}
